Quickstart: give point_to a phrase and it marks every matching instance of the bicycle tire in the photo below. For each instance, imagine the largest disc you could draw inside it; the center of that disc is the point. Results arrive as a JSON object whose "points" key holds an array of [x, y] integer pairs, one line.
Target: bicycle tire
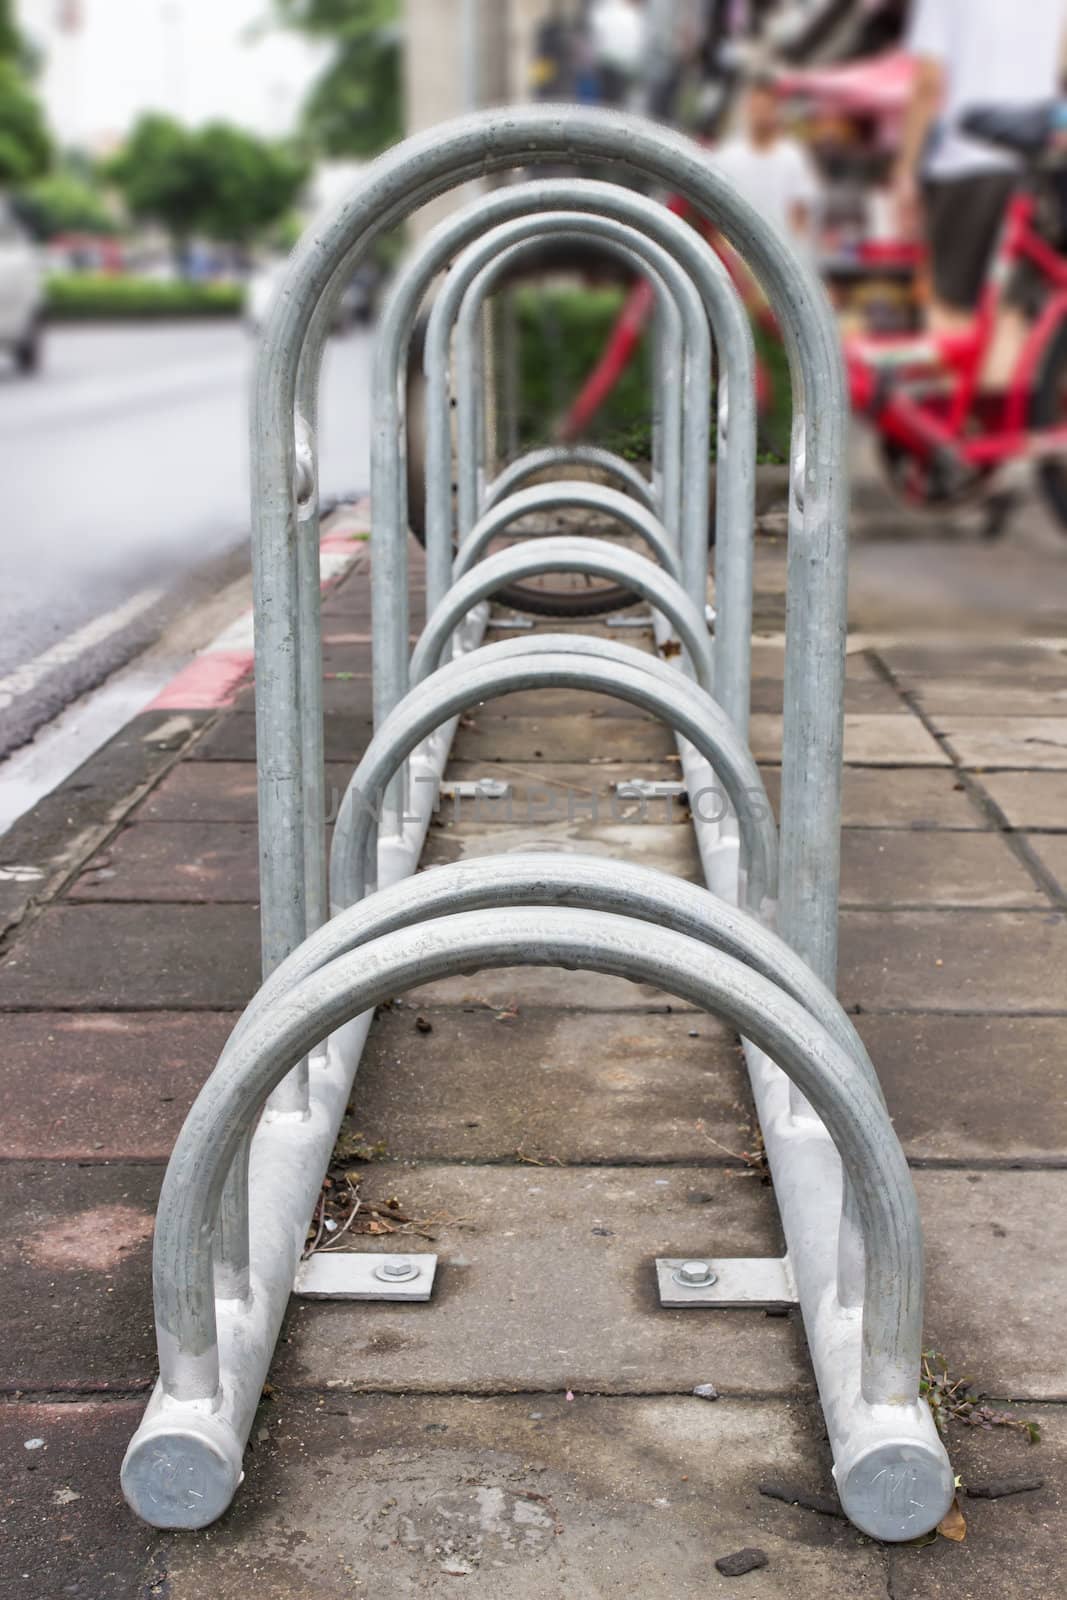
{"points": [[569, 604], [1047, 408]]}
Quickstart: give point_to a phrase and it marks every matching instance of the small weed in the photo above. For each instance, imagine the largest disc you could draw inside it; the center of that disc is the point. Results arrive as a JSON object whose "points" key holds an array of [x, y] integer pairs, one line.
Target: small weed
{"points": [[956, 1400]]}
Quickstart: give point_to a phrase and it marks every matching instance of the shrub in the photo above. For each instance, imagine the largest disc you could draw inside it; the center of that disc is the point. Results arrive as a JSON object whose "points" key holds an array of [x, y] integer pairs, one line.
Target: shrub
{"points": [[563, 332], [76, 296]]}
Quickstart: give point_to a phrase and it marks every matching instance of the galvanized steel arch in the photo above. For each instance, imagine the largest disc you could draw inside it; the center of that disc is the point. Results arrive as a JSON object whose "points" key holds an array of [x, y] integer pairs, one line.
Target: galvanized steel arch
{"points": [[570, 458], [471, 941], [391, 188], [456, 687], [685, 405], [596, 498], [590, 557]]}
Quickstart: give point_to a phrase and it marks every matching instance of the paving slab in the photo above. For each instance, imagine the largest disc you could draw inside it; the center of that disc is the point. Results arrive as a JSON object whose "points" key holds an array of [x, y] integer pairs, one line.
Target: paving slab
{"points": [[979, 658], [1051, 851], [768, 661], [503, 989], [546, 1282], [44, 842], [1029, 799], [995, 1297], [1014, 1547], [583, 1087], [973, 1088], [985, 697], [66, 1530], [664, 846], [346, 647], [547, 703], [174, 861], [344, 693], [99, 1087], [908, 797], [219, 791], [990, 742], [351, 601], [869, 695], [135, 958], [233, 738], [897, 867], [380, 1498], [482, 737], [76, 1252], [871, 740], [953, 961]]}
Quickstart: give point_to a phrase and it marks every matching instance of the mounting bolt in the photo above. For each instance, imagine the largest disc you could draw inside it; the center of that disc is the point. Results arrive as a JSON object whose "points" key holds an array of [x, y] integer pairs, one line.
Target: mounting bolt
{"points": [[694, 1275], [396, 1271]]}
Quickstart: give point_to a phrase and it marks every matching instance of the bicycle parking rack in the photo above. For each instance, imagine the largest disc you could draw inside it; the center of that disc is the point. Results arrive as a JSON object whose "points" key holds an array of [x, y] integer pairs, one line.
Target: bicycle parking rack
{"points": [[759, 951]]}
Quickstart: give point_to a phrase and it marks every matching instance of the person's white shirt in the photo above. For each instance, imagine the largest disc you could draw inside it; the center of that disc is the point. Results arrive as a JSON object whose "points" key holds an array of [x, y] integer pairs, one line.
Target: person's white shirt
{"points": [[776, 178], [1003, 53], [617, 35]]}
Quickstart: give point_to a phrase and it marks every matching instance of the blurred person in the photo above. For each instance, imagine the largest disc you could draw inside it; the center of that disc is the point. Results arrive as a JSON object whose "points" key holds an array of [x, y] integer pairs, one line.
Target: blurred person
{"points": [[768, 168], [969, 54], [617, 31]]}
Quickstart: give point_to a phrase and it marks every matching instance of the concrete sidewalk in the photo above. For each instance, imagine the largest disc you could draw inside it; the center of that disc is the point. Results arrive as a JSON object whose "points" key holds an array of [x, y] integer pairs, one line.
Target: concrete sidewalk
{"points": [[533, 1430]]}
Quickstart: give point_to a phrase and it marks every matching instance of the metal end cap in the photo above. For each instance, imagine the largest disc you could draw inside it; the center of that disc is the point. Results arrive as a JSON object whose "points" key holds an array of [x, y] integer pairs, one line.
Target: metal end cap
{"points": [[897, 1489], [182, 1474]]}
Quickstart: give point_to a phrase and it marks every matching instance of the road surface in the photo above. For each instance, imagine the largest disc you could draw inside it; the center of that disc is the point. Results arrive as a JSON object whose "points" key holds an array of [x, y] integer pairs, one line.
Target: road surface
{"points": [[125, 473]]}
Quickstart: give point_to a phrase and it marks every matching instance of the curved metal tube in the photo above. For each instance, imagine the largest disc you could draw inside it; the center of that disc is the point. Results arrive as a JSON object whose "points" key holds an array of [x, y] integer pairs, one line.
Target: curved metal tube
{"points": [[391, 188], [462, 684], [287, 372], [472, 941], [621, 887], [684, 404], [624, 888], [232, 1255], [668, 376], [588, 556], [388, 477], [562, 458], [735, 475], [595, 498]]}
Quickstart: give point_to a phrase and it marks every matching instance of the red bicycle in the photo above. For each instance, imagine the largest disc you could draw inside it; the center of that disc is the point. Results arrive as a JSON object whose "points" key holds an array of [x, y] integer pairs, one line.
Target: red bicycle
{"points": [[943, 434], [942, 431]]}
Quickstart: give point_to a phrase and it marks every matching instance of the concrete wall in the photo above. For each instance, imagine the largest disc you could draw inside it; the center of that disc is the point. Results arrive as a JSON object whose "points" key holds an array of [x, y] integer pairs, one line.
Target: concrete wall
{"points": [[442, 82]]}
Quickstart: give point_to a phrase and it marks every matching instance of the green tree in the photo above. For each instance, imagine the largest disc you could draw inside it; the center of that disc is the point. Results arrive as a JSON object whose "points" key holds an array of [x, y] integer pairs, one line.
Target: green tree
{"points": [[11, 43], [64, 202], [248, 183], [355, 107], [25, 147], [220, 181], [161, 176]]}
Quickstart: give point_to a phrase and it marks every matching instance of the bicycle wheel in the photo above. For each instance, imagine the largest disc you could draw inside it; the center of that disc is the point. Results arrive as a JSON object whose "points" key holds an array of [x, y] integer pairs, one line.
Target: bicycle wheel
{"points": [[542, 598], [1048, 408]]}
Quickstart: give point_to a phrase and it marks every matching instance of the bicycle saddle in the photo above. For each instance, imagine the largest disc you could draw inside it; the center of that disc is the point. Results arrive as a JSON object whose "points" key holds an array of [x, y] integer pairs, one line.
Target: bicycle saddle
{"points": [[1024, 130]]}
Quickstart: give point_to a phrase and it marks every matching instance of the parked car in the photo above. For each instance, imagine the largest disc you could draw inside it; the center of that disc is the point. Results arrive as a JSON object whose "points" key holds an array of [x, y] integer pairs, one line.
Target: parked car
{"points": [[21, 292]]}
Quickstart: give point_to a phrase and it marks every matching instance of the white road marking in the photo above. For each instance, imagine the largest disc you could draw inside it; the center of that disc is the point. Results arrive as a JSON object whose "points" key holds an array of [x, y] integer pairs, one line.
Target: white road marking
{"points": [[76, 734], [28, 676]]}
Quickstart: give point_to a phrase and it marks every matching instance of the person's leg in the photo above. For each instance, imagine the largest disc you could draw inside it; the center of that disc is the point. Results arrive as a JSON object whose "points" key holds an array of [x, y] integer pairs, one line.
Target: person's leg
{"points": [[963, 219]]}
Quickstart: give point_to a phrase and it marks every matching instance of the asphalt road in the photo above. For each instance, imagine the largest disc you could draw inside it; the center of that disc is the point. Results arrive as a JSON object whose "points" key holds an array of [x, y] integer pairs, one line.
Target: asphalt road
{"points": [[125, 473]]}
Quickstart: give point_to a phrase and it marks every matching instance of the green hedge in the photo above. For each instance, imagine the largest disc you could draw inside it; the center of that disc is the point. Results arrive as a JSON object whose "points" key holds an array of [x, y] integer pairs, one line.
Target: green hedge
{"points": [[76, 296], [562, 335]]}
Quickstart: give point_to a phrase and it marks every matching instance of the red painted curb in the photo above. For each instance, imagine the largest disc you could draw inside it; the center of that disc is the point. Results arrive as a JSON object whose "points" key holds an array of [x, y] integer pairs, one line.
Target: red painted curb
{"points": [[208, 683], [211, 680]]}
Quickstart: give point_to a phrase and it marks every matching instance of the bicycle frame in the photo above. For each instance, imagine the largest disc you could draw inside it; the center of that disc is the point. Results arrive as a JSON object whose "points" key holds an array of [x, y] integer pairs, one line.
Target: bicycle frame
{"points": [[980, 429], [938, 408]]}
